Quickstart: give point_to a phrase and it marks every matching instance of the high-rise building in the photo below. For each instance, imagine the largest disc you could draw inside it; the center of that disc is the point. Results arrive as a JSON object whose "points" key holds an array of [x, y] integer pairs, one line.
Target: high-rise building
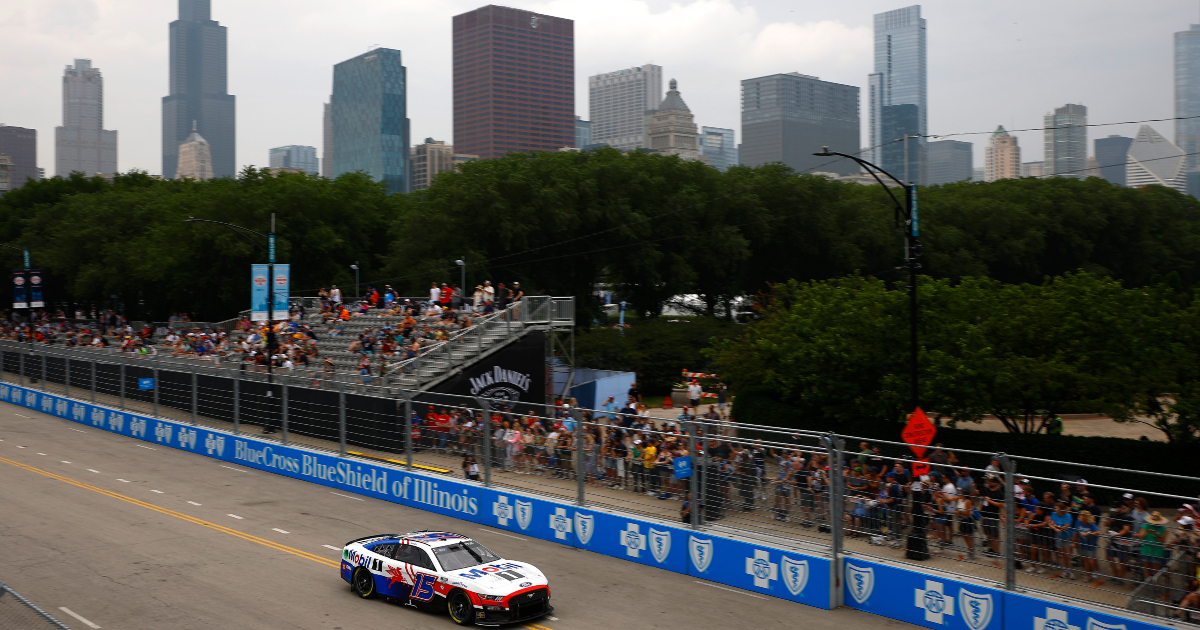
{"points": [[1187, 95], [583, 133], [979, 174], [618, 102], [195, 158], [514, 82], [198, 89], [788, 117], [295, 156], [370, 118], [5, 173], [1033, 169], [82, 143], [949, 161], [671, 129], [1152, 159], [719, 146], [327, 142], [897, 93], [434, 157], [1110, 154], [1002, 157], [1065, 142], [20, 144]]}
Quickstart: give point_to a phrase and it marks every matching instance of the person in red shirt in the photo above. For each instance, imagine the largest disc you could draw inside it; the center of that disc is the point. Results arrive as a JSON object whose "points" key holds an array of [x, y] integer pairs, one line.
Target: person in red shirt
{"points": [[443, 429]]}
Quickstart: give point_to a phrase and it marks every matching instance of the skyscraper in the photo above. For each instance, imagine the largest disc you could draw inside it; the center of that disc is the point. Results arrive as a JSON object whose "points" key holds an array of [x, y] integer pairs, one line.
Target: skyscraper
{"points": [[671, 129], [295, 156], [370, 118], [1111, 154], [897, 93], [514, 82], [432, 158], [195, 158], [20, 144], [719, 146], [788, 117], [198, 89], [327, 142], [583, 133], [1065, 142], [1187, 94], [949, 161], [1155, 160], [81, 143], [1002, 158], [618, 102]]}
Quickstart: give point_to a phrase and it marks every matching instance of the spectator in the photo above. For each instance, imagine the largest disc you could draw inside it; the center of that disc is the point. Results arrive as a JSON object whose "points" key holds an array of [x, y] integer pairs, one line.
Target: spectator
{"points": [[1153, 536], [1063, 525], [694, 392], [1120, 547], [1087, 535]]}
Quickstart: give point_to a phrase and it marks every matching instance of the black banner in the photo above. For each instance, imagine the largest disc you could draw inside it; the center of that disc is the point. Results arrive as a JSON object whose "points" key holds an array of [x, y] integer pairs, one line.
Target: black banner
{"points": [[515, 375], [36, 300], [20, 289]]}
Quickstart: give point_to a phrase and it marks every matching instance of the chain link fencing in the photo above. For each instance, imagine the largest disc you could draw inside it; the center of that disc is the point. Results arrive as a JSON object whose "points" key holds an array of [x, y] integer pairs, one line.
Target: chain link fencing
{"points": [[18, 613]]}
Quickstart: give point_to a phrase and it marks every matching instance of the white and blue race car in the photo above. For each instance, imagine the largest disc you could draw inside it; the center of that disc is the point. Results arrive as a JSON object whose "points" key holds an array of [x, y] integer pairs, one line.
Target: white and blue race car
{"points": [[435, 570]]}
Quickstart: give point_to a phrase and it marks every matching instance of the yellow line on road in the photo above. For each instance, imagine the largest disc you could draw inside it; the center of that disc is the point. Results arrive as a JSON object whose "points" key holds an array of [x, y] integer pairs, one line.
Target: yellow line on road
{"points": [[179, 515]]}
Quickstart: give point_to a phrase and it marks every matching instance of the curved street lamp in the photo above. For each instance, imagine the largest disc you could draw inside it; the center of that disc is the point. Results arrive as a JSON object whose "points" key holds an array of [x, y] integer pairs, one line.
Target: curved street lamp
{"points": [[906, 216]]}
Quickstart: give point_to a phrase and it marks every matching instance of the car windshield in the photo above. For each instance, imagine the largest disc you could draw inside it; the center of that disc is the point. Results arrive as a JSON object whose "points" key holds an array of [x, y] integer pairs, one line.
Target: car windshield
{"points": [[464, 554]]}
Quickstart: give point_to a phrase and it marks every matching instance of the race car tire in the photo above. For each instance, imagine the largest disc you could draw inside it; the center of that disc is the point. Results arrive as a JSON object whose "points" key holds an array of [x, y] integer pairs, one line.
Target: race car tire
{"points": [[362, 583], [462, 612]]}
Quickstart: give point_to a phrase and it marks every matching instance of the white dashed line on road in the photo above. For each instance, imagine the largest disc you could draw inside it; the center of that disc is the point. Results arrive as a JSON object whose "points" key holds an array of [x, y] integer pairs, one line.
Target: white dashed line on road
{"points": [[731, 590], [27, 417], [280, 530], [551, 618], [41, 453], [232, 468], [80, 430], [20, 447], [332, 547], [236, 516], [346, 495], [144, 446], [491, 531], [124, 480], [193, 503], [93, 470], [77, 616], [157, 491], [65, 461]]}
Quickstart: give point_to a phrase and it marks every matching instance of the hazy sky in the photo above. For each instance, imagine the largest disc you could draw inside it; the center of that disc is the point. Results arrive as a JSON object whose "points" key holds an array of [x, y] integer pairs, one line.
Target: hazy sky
{"points": [[990, 63]]}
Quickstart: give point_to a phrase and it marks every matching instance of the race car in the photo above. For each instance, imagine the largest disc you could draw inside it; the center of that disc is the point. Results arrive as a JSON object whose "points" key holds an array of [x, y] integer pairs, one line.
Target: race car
{"points": [[435, 570]]}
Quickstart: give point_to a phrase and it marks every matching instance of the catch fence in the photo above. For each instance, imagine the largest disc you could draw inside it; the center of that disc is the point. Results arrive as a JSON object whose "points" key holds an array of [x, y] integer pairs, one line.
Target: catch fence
{"points": [[18, 613], [1121, 538]]}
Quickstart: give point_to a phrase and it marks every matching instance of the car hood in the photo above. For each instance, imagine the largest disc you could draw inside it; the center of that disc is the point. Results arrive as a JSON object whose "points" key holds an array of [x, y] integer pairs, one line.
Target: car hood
{"points": [[503, 577]]}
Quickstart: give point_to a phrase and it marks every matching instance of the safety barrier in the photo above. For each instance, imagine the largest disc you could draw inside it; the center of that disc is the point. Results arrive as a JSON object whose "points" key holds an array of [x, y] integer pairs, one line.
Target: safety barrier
{"points": [[789, 569]]}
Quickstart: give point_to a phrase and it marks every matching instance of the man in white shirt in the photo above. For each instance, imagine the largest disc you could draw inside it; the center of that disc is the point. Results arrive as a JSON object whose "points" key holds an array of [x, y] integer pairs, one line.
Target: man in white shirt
{"points": [[489, 292], [335, 295], [435, 294], [694, 392]]}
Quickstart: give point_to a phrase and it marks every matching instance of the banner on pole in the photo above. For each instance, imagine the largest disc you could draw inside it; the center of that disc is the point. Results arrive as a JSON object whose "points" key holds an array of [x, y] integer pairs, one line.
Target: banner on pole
{"points": [[282, 282], [258, 292], [20, 291], [36, 300]]}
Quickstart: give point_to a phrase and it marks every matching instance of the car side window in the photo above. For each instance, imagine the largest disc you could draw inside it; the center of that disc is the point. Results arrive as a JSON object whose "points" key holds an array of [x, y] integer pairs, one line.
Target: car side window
{"points": [[386, 550], [415, 556]]}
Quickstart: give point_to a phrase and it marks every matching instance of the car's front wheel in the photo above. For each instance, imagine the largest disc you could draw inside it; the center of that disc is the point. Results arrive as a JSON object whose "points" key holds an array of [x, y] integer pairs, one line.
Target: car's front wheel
{"points": [[460, 608], [363, 583]]}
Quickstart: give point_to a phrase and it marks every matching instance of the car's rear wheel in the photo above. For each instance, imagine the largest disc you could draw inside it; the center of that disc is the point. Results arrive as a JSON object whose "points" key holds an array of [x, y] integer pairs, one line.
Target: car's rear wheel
{"points": [[363, 583], [460, 608]]}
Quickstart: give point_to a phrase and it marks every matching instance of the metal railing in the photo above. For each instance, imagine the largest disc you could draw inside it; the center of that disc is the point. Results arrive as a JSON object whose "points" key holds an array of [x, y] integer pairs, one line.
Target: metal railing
{"points": [[818, 492], [18, 613]]}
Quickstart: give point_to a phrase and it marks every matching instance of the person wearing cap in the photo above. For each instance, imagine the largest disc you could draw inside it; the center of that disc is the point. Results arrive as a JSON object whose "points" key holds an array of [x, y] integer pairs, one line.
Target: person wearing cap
{"points": [[637, 464], [1120, 551], [1187, 540], [1154, 537]]}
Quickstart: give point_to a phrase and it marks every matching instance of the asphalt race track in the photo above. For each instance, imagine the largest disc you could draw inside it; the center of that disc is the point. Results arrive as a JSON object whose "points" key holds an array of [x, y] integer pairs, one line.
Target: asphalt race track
{"points": [[130, 536]]}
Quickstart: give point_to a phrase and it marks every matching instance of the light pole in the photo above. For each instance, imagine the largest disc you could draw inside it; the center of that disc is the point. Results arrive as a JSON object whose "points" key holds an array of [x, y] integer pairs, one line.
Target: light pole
{"points": [[462, 285], [355, 268], [906, 216]]}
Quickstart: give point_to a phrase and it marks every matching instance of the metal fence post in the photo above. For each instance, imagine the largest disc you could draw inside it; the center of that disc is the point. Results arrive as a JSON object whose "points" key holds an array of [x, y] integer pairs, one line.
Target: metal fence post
{"points": [[42, 356], [93, 381], [21, 378], [580, 471], [1010, 523], [408, 445], [283, 408], [66, 376], [341, 418], [693, 487], [486, 439], [122, 390], [837, 484], [237, 400], [154, 366], [195, 396]]}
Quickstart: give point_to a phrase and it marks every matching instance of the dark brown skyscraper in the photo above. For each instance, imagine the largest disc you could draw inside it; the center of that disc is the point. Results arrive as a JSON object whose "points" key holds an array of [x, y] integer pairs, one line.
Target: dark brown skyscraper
{"points": [[514, 82]]}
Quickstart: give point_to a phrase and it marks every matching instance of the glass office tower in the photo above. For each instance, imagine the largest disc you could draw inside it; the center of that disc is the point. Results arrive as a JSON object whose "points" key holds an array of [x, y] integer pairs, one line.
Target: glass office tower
{"points": [[295, 156], [1065, 142], [198, 89], [370, 118], [82, 143], [1187, 97], [788, 117], [897, 93], [719, 146]]}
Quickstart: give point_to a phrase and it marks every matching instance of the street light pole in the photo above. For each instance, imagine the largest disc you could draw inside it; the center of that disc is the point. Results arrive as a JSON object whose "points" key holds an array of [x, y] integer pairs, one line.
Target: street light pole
{"points": [[912, 250], [462, 285], [355, 268]]}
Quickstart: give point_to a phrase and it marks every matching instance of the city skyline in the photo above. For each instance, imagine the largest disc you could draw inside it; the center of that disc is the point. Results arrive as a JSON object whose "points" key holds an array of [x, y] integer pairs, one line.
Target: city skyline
{"points": [[281, 90]]}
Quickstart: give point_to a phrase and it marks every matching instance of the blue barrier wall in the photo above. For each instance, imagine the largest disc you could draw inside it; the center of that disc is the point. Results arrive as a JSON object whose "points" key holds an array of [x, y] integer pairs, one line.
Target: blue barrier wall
{"points": [[928, 600]]}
